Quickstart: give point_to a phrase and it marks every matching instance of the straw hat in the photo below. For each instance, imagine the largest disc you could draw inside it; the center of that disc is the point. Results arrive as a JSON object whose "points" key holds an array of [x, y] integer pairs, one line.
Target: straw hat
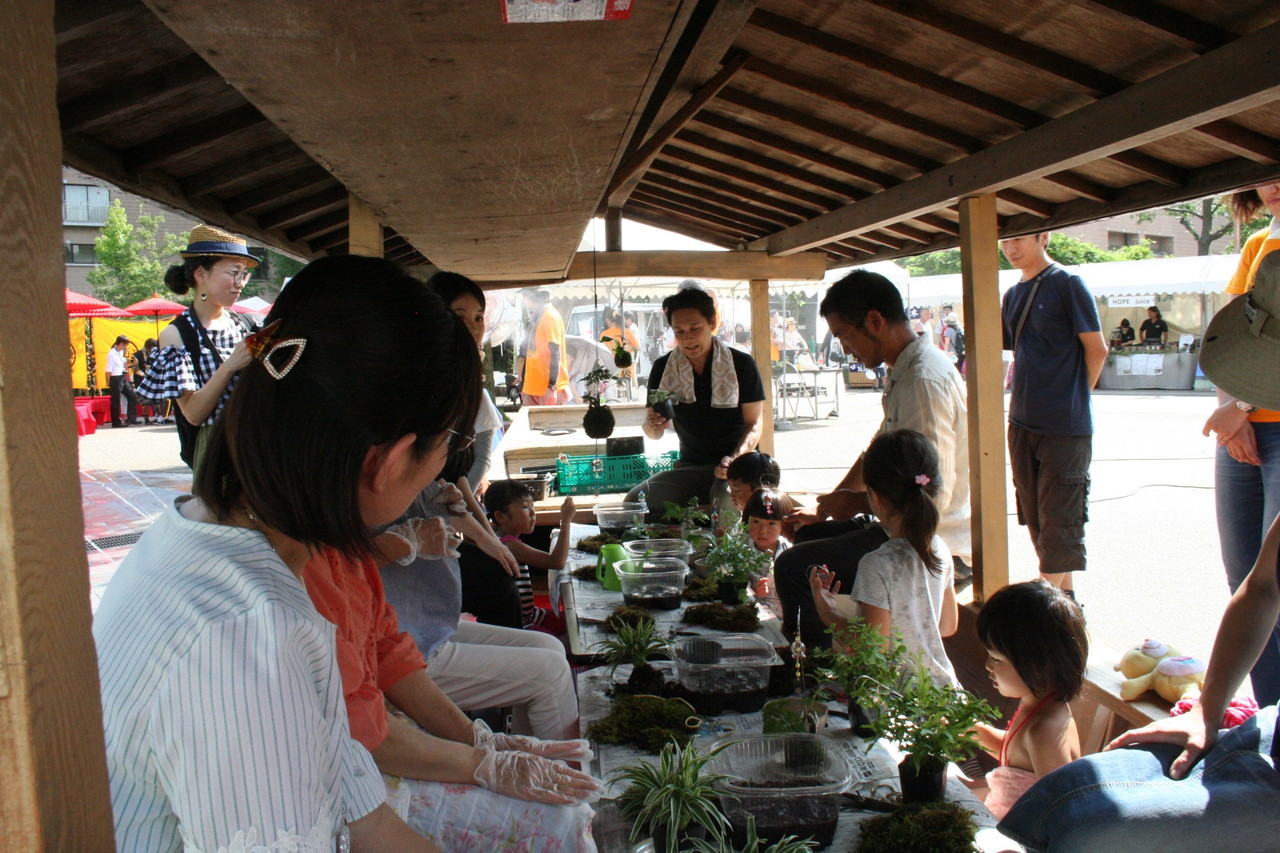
{"points": [[207, 241], [1241, 353]]}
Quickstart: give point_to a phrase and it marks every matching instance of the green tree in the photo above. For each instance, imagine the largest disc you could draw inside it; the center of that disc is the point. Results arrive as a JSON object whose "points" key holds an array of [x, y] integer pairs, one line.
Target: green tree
{"points": [[1208, 220], [1063, 249], [130, 266], [279, 268], [945, 262]]}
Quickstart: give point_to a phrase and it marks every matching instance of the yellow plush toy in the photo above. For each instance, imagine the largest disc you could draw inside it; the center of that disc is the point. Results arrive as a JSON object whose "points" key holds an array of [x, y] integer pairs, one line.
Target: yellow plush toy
{"points": [[1157, 666]]}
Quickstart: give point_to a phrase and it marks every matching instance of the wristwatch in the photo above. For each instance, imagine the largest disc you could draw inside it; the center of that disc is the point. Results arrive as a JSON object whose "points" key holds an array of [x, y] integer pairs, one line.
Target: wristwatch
{"points": [[1247, 408]]}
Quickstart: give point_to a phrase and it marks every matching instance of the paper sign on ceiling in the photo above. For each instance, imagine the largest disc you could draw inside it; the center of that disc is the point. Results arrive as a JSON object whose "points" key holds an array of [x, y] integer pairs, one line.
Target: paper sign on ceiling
{"points": [[556, 11]]}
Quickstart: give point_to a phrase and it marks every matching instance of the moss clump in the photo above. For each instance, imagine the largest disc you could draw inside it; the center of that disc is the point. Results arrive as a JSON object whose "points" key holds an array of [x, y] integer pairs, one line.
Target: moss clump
{"points": [[743, 618], [624, 615], [593, 544], [649, 722], [937, 827], [701, 589], [585, 573]]}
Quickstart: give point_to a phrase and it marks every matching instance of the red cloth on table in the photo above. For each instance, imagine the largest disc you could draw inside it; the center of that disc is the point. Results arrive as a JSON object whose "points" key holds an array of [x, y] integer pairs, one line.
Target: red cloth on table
{"points": [[373, 653]]}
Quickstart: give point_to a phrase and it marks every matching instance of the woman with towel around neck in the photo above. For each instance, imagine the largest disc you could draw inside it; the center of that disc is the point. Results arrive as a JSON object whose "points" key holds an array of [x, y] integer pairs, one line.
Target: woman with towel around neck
{"points": [[718, 400]]}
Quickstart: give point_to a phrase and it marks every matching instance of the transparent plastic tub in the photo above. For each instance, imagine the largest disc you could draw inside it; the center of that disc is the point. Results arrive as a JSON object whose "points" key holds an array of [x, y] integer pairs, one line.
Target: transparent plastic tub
{"points": [[790, 784], [724, 672], [653, 582], [642, 548], [620, 516]]}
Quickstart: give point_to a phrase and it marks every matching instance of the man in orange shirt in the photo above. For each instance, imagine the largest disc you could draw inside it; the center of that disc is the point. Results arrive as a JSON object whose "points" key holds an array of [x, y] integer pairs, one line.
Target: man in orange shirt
{"points": [[542, 367]]}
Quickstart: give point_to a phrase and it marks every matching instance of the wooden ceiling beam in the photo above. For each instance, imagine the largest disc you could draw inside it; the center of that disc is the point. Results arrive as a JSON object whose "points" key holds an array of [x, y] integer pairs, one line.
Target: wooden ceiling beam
{"points": [[914, 234], [905, 72], [746, 191], [884, 240], [1029, 203], [1189, 95], [697, 214], [73, 21], [192, 137], [867, 106], [864, 246], [311, 230], [332, 242], [940, 222], [797, 149], [137, 93], [745, 176], [280, 191], [646, 215], [1001, 45], [666, 186], [760, 161], [633, 168], [1081, 185], [731, 266], [1201, 35], [727, 213], [306, 208], [836, 132], [1241, 141], [1153, 167], [228, 175]]}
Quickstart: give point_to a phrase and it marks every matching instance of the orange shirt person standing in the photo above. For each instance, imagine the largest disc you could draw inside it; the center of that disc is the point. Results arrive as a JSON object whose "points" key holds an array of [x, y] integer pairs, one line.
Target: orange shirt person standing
{"points": [[543, 359]]}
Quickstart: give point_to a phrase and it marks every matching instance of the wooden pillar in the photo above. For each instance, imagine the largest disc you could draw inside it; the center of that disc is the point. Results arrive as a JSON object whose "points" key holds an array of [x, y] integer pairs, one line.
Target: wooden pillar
{"points": [[364, 231], [53, 770], [613, 230], [760, 337], [985, 371]]}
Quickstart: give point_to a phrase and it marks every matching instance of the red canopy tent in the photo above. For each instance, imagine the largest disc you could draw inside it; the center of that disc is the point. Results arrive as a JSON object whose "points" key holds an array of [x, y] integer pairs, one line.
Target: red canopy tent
{"points": [[155, 307], [83, 305]]}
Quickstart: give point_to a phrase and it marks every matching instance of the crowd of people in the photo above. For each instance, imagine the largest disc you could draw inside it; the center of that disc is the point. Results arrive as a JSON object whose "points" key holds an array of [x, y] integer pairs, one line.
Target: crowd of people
{"points": [[284, 657]]}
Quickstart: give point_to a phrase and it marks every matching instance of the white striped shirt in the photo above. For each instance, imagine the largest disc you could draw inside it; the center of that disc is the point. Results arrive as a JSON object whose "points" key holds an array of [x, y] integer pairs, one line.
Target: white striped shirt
{"points": [[223, 707]]}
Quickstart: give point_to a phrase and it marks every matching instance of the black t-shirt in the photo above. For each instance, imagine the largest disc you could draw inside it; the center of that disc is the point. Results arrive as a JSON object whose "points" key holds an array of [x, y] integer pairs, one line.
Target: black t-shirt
{"points": [[1153, 329], [706, 434]]}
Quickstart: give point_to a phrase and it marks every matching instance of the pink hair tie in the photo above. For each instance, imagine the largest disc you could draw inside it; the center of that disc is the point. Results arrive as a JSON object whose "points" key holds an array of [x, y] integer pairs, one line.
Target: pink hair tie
{"points": [[923, 480]]}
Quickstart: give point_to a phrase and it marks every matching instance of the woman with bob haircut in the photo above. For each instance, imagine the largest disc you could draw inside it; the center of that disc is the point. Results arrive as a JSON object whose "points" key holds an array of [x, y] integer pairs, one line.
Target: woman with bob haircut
{"points": [[222, 700], [718, 401]]}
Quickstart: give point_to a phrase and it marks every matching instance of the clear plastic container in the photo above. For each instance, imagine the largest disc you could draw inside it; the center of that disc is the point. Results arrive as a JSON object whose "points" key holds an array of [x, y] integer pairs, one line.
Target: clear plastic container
{"points": [[620, 516], [653, 582], [790, 784], [642, 548], [724, 672]]}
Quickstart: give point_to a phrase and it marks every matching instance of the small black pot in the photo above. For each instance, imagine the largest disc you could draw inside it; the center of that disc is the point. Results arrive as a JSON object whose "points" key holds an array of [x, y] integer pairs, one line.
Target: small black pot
{"points": [[860, 721], [730, 593], [926, 784], [666, 408]]}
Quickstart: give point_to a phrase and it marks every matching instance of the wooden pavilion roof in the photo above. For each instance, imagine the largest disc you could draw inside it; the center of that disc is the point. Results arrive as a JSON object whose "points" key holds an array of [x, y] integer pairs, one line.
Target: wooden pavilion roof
{"points": [[851, 127]]}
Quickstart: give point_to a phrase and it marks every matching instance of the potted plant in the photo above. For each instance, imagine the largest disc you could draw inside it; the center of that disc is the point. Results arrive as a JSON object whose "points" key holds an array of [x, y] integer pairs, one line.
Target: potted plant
{"points": [[734, 562], [941, 827], [598, 422], [635, 644], [663, 403], [862, 661], [672, 798], [932, 724]]}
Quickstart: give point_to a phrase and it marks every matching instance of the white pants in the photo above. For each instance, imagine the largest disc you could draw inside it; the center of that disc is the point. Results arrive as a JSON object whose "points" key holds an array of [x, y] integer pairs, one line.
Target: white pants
{"points": [[485, 666]]}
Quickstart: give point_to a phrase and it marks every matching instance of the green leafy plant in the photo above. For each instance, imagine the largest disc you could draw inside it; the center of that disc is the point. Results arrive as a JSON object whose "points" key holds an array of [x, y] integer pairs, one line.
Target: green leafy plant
{"points": [[598, 421], [928, 722], [863, 662], [672, 795], [753, 844], [635, 644], [734, 558], [939, 827], [649, 722], [690, 513], [621, 358]]}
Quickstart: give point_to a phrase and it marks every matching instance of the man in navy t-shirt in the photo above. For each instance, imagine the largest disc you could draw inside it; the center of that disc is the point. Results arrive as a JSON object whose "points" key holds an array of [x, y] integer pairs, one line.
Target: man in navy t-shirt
{"points": [[1051, 324]]}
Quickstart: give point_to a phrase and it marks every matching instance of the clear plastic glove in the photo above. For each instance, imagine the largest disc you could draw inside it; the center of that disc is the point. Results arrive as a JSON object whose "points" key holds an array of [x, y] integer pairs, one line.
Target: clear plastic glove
{"points": [[450, 497], [427, 538], [559, 750], [531, 777]]}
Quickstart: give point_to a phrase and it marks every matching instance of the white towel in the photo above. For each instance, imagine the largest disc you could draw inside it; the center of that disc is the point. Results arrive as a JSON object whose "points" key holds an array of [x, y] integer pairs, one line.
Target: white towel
{"points": [[678, 377]]}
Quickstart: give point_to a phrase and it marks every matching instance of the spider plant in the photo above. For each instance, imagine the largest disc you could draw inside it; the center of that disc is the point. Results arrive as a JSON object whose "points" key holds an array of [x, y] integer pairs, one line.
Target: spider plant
{"points": [[671, 796], [635, 644], [753, 844]]}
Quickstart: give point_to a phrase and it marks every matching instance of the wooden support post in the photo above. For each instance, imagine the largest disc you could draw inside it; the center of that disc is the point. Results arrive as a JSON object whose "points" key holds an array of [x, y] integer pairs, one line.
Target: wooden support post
{"points": [[613, 230], [760, 338], [985, 370], [364, 231], [53, 770]]}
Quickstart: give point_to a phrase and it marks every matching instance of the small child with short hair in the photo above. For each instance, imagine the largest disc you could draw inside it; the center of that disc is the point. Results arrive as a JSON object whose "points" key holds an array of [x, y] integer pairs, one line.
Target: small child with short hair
{"points": [[762, 516], [510, 506], [749, 473], [1037, 649]]}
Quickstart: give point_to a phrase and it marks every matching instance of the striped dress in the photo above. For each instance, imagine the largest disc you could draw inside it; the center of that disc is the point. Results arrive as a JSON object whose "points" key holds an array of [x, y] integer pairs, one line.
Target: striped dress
{"points": [[223, 706], [173, 372]]}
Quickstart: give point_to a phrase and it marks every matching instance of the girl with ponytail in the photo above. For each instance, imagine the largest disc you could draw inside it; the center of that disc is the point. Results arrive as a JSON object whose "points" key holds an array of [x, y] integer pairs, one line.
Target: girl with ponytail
{"points": [[905, 584]]}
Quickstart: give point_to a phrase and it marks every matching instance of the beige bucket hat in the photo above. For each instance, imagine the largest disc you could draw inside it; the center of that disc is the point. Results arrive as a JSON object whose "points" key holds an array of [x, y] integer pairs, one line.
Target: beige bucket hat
{"points": [[1241, 353]]}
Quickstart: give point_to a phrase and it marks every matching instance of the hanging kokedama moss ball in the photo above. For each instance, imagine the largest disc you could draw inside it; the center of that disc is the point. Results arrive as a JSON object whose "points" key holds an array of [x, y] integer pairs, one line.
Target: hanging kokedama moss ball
{"points": [[598, 422], [621, 358]]}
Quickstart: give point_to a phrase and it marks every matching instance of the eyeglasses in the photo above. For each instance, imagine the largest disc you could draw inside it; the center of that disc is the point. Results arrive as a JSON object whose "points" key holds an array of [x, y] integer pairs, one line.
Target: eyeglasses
{"points": [[238, 277], [460, 441]]}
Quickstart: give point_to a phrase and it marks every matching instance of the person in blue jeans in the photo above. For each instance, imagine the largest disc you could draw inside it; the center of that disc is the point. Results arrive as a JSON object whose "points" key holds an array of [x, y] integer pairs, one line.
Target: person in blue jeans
{"points": [[1180, 783]]}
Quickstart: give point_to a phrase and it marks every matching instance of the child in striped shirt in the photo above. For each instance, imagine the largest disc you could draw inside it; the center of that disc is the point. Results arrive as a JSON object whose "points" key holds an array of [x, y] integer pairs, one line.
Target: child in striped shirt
{"points": [[510, 506]]}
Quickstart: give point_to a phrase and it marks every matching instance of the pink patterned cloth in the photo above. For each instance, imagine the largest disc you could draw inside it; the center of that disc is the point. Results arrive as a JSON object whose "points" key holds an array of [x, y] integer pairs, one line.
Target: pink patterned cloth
{"points": [[1007, 784]]}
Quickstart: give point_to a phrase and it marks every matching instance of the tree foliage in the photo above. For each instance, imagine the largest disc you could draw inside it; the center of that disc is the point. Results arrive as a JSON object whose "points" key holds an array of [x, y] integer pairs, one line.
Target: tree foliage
{"points": [[131, 260], [1063, 249], [1208, 220]]}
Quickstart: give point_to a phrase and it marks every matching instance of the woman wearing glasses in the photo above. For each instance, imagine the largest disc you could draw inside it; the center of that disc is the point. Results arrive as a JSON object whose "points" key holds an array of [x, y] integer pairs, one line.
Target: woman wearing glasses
{"points": [[202, 350]]}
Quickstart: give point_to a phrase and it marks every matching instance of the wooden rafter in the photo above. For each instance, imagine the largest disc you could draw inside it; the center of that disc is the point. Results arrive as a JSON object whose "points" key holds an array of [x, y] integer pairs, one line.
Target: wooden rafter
{"points": [[940, 222], [227, 175], [135, 94], [312, 229], [283, 190], [760, 161], [674, 176], [1025, 201], [1080, 185], [1189, 95], [1201, 35], [1241, 141], [664, 184], [305, 208], [809, 266], [1152, 167], [749, 178], [192, 137], [649, 216], [697, 213], [761, 222]]}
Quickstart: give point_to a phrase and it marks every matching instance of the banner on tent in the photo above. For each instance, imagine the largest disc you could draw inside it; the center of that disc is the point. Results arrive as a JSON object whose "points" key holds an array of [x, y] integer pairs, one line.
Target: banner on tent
{"points": [[1139, 301]]}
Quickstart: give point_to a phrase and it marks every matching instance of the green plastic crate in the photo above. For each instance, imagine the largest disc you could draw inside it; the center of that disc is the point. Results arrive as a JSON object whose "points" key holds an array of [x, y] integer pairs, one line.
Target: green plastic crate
{"points": [[589, 475]]}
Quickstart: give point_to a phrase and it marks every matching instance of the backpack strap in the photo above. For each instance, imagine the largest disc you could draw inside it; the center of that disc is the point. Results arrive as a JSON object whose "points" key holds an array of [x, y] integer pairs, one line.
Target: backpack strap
{"points": [[1026, 307], [187, 326]]}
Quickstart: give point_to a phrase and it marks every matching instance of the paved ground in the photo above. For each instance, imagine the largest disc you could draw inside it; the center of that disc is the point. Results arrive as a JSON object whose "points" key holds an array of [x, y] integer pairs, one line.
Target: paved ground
{"points": [[1154, 563]]}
